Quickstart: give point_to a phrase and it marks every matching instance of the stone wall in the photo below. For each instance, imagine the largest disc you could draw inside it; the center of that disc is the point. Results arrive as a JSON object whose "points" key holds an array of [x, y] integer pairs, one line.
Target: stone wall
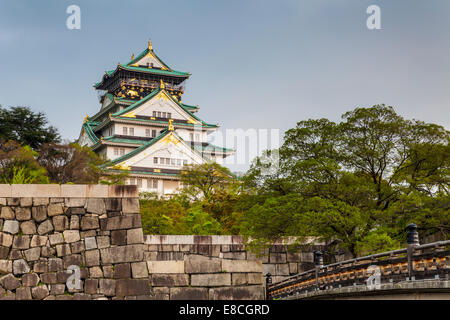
{"points": [[217, 267], [44, 229]]}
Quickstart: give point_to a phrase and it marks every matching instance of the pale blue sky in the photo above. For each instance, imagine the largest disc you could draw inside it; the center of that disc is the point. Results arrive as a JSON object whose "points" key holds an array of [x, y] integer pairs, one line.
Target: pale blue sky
{"points": [[254, 63]]}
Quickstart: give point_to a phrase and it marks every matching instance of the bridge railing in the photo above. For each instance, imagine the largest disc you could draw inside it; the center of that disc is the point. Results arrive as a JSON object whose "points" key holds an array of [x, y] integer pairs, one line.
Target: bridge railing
{"points": [[416, 262]]}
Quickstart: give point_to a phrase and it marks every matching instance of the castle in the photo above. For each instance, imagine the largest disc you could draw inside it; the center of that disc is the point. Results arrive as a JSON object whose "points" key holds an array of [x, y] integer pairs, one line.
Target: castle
{"points": [[144, 128]]}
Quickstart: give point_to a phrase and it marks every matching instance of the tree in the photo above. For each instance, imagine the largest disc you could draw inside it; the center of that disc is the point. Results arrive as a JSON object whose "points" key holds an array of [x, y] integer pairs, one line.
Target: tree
{"points": [[26, 127], [356, 178], [18, 165], [203, 180], [70, 163]]}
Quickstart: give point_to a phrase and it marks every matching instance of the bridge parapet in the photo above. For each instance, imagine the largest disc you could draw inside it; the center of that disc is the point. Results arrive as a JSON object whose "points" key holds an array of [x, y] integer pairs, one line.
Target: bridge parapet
{"points": [[414, 263]]}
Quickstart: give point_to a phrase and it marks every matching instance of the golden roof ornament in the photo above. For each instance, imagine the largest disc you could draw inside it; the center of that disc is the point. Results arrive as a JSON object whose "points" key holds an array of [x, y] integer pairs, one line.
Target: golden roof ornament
{"points": [[162, 86], [86, 119], [132, 56], [150, 45], [171, 128]]}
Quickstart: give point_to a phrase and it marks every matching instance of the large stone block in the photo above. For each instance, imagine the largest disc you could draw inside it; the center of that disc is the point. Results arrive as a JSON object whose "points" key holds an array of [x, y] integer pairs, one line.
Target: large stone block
{"points": [[5, 190], [166, 266], [130, 205], [121, 191], [23, 214], [96, 205], [28, 227], [40, 201], [73, 191], [75, 202], [103, 242], [241, 266], [32, 254], [63, 250], [170, 280], [239, 279], [201, 264], [121, 222], [6, 240], [21, 242], [91, 286], [119, 237], [20, 267], [60, 223], [45, 227], [276, 269], [135, 236], [130, 253], [74, 222], [237, 293], [89, 223], [7, 213], [4, 251], [255, 278], [113, 204], [211, 280], [39, 213], [5, 266], [56, 238], [90, 243], [30, 280], [71, 236], [132, 287], [23, 293], [11, 226], [277, 257], [107, 287], [55, 209], [92, 258], [9, 282], [188, 293], [40, 292], [72, 260], [139, 270], [26, 202], [55, 264]]}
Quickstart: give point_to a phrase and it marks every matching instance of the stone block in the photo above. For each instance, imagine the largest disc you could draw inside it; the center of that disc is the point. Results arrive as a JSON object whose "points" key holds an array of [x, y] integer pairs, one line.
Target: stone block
{"points": [[7, 213], [293, 268], [87, 234], [6, 240], [107, 287], [130, 205], [132, 287], [241, 266], [75, 202], [103, 242], [211, 280], [30, 280], [121, 222], [293, 257], [201, 264], [21, 242], [73, 191], [15, 255], [11, 226], [55, 264], [139, 270], [276, 269], [113, 204], [72, 260], [39, 293], [5, 190], [32, 254], [255, 278], [307, 257], [77, 247], [38, 241], [91, 286], [74, 222], [135, 236], [75, 211], [60, 223], [122, 271], [122, 191], [5, 266], [90, 243], [45, 227], [170, 280], [63, 250], [95, 205], [92, 258], [108, 272], [56, 238], [166, 266], [239, 279], [237, 293], [57, 289], [23, 214], [40, 266], [129, 253], [28, 227], [48, 251], [15, 201], [40, 201], [4, 251], [39, 213], [71, 236], [163, 256], [234, 255], [26, 202], [89, 223], [95, 272], [97, 191], [181, 293], [23, 293], [9, 282], [55, 209], [20, 267], [119, 237]]}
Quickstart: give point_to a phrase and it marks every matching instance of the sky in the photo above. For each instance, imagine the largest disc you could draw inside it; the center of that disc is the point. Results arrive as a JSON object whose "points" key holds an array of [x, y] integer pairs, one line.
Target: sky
{"points": [[255, 64]]}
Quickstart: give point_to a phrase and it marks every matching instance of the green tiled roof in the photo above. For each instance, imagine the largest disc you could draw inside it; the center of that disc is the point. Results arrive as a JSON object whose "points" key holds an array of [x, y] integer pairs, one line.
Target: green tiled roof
{"points": [[87, 126], [143, 54], [211, 148]]}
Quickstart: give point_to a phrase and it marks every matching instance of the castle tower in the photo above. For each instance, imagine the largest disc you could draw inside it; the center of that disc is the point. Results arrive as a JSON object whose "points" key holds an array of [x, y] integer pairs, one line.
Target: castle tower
{"points": [[144, 128]]}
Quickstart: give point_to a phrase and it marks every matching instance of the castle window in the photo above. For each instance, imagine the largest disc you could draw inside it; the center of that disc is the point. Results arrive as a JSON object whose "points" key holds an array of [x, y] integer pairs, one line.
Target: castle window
{"points": [[116, 151], [147, 132], [125, 131], [155, 160], [164, 115], [131, 131], [178, 162], [122, 151], [154, 113], [169, 115], [159, 114], [139, 183], [132, 181], [153, 133]]}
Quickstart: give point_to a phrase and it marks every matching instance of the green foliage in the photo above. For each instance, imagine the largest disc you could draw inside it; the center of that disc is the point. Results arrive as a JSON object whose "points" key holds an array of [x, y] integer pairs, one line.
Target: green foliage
{"points": [[376, 242], [26, 127], [200, 222]]}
